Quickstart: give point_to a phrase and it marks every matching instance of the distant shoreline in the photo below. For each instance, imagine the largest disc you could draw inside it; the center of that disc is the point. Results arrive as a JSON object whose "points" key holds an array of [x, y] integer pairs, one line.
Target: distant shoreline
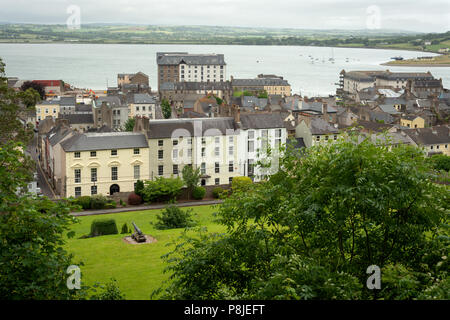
{"points": [[416, 65]]}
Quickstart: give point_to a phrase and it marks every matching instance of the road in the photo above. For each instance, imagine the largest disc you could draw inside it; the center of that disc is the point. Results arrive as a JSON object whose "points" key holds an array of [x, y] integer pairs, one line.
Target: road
{"points": [[41, 178]]}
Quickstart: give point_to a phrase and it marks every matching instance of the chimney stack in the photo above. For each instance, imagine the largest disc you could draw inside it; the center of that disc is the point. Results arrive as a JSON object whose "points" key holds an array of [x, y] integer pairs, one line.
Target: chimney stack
{"points": [[237, 113]]}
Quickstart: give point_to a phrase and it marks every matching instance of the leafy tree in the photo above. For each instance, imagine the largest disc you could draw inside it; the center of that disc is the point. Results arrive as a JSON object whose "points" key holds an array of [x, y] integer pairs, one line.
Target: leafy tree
{"points": [[129, 124], [191, 178], [139, 187], [440, 162], [162, 189], [311, 230], [33, 260], [36, 86], [263, 95], [247, 93], [174, 217], [199, 193], [12, 105], [166, 109]]}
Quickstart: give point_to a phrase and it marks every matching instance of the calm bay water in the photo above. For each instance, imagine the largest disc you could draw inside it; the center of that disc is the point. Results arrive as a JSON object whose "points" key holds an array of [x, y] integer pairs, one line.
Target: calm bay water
{"points": [[96, 65]]}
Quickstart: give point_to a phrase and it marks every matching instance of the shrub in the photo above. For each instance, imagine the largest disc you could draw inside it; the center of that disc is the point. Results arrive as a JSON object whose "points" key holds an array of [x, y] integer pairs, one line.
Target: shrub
{"points": [[110, 205], [139, 188], [125, 229], [162, 189], [98, 202], [241, 183], [122, 203], [198, 193], [134, 199], [217, 192], [84, 202], [100, 227], [173, 217]]}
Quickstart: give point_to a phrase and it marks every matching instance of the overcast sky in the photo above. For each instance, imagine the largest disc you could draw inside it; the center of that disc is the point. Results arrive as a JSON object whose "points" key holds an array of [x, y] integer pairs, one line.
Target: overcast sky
{"points": [[414, 15]]}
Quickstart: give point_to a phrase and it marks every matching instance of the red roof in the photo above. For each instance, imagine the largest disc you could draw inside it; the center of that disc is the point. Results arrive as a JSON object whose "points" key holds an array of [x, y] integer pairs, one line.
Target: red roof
{"points": [[49, 83]]}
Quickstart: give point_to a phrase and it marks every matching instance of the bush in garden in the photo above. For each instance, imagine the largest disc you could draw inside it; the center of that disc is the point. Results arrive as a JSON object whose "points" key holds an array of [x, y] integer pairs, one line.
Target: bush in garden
{"points": [[125, 229], [99, 202], [173, 217], [241, 183], [134, 199], [84, 202], [110, 205], [100, 227], [199, 193], [139, 188], [217, 192], [162, 189]]}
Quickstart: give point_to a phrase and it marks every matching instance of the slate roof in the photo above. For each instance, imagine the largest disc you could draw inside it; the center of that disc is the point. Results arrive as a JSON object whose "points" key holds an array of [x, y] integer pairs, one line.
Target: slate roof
{"points": [[159, 129], [319, 126], [175, 58], [373, 126], [57, 134], [67, 101], [81, 118], [261, 121], [105, 141], [432, 135], [113, 101], [83, 108], [389, 108], [142, 98]]}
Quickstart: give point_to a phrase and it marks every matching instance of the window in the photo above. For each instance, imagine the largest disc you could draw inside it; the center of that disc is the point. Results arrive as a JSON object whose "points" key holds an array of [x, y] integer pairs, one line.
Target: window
{"points": [[137, 172], [175, 169], [230, 166], [160, 154], [230, 140], [175, 142], [217, 151], [318, 138], [251, 134], [251, 146], [251, 167], [77, 175], [175, 154], [189, 140], [114, 174], [160, 143], [326, 138], [93, 174], [77, 154], [203, 182], [93, 153], [114, 152], [203, 168], [93, 190], [217, 167], [136, 151], [77, 191], [217, 140], [264, 139], [335, 137], [137, 108], [230, 150], [189, 152], [217, 181], [160, 170], [203, 152], [230, 180], [203, 141]]}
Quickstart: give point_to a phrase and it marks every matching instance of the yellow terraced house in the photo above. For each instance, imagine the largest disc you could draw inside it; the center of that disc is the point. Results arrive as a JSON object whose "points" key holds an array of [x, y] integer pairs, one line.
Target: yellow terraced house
{"points": [[104, 163], [47, 108]]}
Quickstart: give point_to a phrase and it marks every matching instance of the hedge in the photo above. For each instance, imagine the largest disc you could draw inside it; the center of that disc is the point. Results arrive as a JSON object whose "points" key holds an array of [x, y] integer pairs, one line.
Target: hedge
{"points": [[100, 227]]}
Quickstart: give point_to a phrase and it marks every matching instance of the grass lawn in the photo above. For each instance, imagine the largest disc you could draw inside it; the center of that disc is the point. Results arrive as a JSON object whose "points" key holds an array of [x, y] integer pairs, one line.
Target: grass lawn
{"points": [[138, 269]]}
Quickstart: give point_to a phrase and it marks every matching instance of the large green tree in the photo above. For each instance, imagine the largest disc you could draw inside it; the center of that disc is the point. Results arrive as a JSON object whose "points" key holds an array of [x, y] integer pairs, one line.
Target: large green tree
{"points": [[311, 231], [191, 178], [166, 109], [12, 105]]}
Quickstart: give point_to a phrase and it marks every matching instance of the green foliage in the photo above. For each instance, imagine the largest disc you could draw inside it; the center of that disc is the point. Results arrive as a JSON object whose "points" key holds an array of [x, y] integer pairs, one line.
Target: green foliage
{"points": [[166, 109], [36, 86], [241, 183], [440, 162], [84, 202], [263, 95], [199, 193], [217, 192], [247, 93], [122, 203], [139, 188], [219, 101], [173, 217], [129, 124], [125, 229], [110, 291], [191, 178], [12, 104], [101, 227], [33, 259], [311, 230], [99, 202], [162, 189]]}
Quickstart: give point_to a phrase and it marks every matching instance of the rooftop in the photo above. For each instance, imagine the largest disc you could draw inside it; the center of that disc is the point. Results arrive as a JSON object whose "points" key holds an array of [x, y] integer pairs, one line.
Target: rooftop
{"points": [[176, 58], [105, 141]]}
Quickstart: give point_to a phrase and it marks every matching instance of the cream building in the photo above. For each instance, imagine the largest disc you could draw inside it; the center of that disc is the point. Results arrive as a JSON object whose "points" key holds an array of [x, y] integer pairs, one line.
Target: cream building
{"points": [[103, 163], [412, 121], [141, 104], [208, 143], [434, 140], [47, 108]]}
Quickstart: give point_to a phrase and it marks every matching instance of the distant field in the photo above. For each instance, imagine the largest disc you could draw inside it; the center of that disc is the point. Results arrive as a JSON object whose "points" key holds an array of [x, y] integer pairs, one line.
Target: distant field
{"points": [[441, 60], [138, 269]]}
